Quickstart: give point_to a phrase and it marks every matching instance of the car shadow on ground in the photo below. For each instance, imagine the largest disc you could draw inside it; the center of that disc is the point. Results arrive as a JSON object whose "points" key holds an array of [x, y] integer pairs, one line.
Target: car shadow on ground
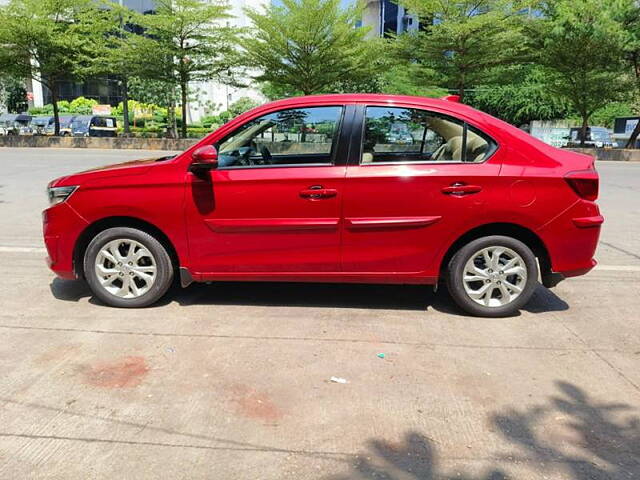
{"points": [[602, 442], [318, 295]]}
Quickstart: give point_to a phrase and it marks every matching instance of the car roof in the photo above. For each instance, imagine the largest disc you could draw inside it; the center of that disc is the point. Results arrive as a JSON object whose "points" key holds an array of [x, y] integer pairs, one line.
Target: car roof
{"points": [[365, 98], [15, 117]]}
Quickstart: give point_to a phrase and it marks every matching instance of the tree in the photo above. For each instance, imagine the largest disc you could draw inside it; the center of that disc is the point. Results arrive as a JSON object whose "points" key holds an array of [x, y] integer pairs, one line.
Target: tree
{"points": [[629, 16], [522, 99], [462, 41], [185, 41], [158, 92], [307, 46], [13, 95], [579, 46], [40, 40], [110, 49]]}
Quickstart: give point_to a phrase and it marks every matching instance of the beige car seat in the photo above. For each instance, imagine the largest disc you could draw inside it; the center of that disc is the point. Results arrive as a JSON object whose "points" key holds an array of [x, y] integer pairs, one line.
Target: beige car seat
{"points": [[452, 150], [476, 148], [367, 157]]}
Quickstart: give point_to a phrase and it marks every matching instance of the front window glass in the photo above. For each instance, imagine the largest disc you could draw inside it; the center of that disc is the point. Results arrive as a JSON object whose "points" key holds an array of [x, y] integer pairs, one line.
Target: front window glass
{"points": [[393, 134], [298, 136]]}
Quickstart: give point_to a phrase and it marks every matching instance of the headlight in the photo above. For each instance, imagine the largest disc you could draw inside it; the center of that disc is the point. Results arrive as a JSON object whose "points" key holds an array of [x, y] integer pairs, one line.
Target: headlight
{"points": [[59, 194]]}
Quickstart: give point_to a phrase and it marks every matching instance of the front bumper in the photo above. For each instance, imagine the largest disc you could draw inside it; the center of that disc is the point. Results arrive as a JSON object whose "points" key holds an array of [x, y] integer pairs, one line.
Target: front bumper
{"points": [[61, 226]]}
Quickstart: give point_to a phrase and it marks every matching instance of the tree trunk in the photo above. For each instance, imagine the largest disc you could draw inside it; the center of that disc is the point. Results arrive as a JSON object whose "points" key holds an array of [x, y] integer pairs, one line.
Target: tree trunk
{"points": [[183, 99], [583, 129], [171, 114], [461, 86], [53, 88], [125, 104]]}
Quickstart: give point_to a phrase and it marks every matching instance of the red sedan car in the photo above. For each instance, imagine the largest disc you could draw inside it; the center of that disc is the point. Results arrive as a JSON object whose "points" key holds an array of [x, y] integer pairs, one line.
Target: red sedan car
{"points": [[336, 188]]}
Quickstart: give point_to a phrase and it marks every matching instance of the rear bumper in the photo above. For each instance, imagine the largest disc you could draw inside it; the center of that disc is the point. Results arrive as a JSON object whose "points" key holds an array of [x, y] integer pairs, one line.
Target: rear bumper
{"points": [[551, 279], [61, 226], [572, 238]]}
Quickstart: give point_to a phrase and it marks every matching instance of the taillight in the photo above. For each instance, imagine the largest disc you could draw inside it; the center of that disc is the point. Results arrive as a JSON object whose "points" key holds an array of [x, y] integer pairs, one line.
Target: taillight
{"points": [[584, 182]]}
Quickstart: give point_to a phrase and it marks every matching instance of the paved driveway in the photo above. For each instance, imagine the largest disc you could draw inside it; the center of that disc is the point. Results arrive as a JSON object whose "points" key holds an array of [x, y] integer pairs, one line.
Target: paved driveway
{"points": [[228, 381]]}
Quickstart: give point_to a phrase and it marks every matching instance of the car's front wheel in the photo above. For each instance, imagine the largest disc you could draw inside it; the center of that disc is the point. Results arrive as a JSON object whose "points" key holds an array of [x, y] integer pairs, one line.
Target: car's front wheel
{"points": [[127, 267], [492, 276]]}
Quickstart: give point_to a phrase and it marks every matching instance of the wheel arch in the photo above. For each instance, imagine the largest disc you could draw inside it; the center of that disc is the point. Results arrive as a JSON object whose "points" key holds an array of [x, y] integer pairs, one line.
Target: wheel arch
{"points": [[513, 230], [119, 221]]}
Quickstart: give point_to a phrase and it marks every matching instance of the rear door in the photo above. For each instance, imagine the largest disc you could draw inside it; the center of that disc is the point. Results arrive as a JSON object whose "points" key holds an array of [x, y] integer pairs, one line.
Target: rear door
{"points": [[414, 178]]}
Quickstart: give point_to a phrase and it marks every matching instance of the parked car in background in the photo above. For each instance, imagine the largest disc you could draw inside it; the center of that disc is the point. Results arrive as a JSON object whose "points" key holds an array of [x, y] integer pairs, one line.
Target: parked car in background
{"points": [[65, 126], [597, 137], [482, 206], [40, 124], [14, 124], [94, 126]]}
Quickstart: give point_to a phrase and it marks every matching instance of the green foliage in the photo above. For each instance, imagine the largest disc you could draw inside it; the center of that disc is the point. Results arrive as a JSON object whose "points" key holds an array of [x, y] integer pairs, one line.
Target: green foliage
{"points": [[12, 94], [46, 33], [83, 106], [78, 106], [579, 46], [243, 104], [525, 98], [307, 46], [408, 79], [63, 107], [462, 41], [152, 92], [186, 41], [605, 116], [628, 14]]}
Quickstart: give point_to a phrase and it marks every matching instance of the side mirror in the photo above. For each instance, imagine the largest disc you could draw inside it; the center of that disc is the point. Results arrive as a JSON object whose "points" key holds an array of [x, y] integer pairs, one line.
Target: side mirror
{"points": [[204, 159]]}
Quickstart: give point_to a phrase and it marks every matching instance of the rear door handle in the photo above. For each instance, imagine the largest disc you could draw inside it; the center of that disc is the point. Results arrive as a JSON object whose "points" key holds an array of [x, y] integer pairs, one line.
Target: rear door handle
{"points": [[317, 192], [460, 189]]}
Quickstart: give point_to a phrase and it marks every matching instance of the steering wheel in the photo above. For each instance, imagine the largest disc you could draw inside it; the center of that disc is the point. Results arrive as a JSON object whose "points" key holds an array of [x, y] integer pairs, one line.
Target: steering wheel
{"points": [[267, 158]]}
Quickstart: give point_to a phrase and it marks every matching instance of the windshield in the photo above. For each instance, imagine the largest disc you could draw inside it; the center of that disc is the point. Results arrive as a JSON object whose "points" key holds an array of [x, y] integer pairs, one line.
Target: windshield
{"points": [[41, 122], [600, 135], [65, 122], [80, 124]]}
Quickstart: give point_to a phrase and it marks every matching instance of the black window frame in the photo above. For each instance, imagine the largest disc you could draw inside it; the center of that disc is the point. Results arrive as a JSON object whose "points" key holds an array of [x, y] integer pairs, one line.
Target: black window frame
{"points": [[338, 154], [357, 138]]}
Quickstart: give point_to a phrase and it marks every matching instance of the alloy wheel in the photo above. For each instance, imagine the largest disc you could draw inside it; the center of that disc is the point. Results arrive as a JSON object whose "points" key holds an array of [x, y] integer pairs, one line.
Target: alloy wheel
{"points": [[125, 268], [494, 276]]}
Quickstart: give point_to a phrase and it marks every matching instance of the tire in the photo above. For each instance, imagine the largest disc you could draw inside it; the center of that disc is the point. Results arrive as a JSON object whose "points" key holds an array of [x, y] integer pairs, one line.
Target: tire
{"points": [[478, 289], [135, 268]]}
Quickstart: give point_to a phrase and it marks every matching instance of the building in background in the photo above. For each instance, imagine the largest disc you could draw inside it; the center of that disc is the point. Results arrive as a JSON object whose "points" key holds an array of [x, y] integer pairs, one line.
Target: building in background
{"points": [[385, 17]]}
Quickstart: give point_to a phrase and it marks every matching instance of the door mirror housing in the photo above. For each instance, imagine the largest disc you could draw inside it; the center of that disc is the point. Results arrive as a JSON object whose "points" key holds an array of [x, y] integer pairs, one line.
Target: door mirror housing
{"points": [[204, 159]]}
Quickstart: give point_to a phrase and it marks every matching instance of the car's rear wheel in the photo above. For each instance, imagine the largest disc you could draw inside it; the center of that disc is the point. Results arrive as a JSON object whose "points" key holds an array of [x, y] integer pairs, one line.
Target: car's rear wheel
{"points": [[492, 276], [127, 267]]}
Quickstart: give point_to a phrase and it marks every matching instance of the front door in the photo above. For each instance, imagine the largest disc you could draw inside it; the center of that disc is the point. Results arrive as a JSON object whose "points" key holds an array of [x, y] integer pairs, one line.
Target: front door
{"points": [[416, 179], [273, 204]]}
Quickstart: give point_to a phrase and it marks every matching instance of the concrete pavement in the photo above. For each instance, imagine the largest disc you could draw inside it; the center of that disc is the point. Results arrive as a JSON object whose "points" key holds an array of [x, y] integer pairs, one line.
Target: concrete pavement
{"points": [[232, 380]]}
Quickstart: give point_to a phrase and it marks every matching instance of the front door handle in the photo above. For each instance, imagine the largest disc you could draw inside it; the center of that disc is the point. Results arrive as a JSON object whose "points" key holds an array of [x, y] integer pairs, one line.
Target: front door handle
{"points": [[460, 189], [317, 192]]}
